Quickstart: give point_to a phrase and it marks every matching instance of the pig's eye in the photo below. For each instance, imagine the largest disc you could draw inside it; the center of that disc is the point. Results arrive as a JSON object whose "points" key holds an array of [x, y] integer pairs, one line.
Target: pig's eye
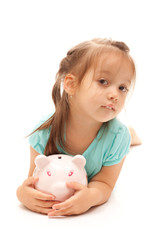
{"points": [[48, 172], [70, 173]]}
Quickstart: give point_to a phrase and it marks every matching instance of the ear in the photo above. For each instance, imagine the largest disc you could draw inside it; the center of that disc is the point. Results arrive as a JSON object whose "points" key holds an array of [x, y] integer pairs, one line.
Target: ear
{"points": [[79, 160], [70, 83], [41, 161]]}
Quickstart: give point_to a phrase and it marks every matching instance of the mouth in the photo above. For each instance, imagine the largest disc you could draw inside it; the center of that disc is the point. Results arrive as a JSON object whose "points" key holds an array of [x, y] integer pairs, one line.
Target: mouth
{"points": [[110, 107]]}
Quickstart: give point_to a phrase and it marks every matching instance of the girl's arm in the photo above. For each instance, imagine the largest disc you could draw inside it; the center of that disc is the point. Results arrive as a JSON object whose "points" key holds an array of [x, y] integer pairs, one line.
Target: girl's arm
{"points": [[104, 182], [97, 192], [33, 155]]}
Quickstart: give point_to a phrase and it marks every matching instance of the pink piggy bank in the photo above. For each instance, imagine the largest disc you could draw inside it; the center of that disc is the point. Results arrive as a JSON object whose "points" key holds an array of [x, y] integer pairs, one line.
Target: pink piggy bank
{"points": [[55, 170]]}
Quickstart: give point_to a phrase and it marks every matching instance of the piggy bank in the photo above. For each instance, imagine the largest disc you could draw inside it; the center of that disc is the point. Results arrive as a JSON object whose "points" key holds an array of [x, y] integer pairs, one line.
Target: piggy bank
{"points": [[55, 170]]}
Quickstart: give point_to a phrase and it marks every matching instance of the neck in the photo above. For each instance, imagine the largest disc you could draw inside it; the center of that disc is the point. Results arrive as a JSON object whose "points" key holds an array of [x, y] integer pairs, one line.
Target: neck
{"points": [[82, 127], [80, 133]]}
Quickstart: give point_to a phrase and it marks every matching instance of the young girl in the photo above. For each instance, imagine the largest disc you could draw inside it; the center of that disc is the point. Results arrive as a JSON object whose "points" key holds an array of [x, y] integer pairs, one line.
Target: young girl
{"points": [[90, 91]]}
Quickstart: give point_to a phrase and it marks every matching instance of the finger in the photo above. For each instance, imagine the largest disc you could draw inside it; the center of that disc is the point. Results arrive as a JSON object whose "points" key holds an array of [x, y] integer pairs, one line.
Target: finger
{"points": [[43, 196], [31, 180], [56, 202], [75, 185], [64, 205], [41, 210], [45, 204], [37, 208], [62, 212]]}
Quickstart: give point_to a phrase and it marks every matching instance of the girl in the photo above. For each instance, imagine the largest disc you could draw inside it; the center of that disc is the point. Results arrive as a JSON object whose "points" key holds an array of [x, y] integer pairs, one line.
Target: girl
{"points": [[90, 91]]}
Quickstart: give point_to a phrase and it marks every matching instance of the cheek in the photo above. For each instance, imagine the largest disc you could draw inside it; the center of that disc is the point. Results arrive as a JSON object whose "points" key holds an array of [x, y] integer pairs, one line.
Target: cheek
{"points": [[121, 102], [96, 94], [123, 99]]}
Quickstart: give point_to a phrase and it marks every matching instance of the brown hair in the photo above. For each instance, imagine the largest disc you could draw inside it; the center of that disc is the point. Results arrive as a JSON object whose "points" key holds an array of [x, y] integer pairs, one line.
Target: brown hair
{"points": [[77, 61]]}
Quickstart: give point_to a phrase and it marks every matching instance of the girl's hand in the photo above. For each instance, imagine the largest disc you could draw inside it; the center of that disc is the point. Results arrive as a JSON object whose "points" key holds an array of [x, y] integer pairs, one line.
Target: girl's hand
{"points": [[34, 199], [79, 203]]}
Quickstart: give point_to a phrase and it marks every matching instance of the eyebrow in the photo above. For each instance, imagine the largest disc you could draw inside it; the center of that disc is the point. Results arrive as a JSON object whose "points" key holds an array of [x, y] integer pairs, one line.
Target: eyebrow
{"points": [[104, 71], [129, 81]]}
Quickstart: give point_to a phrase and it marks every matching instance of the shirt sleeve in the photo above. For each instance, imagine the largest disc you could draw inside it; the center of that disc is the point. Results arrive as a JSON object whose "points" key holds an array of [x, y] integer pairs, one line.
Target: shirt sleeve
{"points": [[119, 148], [39, 139]]}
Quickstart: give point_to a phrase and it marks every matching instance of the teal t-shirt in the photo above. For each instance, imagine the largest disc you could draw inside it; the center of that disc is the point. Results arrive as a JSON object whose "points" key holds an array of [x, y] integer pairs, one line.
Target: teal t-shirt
{"points": [[109, 147]]}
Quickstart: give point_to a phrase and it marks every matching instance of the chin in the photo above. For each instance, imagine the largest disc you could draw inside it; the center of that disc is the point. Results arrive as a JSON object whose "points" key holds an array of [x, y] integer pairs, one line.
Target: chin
{"points": [[106, 119]]}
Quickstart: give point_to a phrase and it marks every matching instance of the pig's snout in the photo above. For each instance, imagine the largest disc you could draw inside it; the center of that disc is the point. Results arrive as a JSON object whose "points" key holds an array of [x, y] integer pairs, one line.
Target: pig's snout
{"points": [[61, 191]]}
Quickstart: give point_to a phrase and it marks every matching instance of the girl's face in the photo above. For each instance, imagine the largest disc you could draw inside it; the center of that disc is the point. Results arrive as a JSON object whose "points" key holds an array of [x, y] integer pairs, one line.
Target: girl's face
{"points": [[103, 90]]}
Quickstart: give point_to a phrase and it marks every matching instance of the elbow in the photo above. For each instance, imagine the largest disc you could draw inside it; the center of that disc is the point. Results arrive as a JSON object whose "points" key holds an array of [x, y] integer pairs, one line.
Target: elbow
{"points": [[107, 193], [18, 193]]}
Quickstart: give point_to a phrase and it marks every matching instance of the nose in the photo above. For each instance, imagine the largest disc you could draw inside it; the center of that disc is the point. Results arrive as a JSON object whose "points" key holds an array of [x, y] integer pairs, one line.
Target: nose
{"points": [[113, 95]]}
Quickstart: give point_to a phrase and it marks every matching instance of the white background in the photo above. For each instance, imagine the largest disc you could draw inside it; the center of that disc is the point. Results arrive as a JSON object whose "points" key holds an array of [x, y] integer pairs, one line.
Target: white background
{"points": [[34, 37]]}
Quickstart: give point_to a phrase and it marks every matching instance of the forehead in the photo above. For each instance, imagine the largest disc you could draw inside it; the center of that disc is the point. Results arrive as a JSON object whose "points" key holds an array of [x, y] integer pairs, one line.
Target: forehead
{"points": [[112, 63]]}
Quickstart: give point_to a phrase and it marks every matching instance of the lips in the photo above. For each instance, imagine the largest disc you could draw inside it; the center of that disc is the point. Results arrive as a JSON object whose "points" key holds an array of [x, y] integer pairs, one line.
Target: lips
{"points": [[110, 107]]}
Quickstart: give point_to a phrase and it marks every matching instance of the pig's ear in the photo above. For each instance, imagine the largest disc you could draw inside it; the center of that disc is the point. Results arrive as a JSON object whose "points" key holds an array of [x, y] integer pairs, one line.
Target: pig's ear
{"points": [[79, 160], [41, 161]]}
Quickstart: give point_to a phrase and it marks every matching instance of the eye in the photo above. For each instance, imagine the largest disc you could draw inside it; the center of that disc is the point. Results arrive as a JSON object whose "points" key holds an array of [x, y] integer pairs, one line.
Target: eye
{"points": [[123, 89], [70, 173], [48, 172], [103, 82]]}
